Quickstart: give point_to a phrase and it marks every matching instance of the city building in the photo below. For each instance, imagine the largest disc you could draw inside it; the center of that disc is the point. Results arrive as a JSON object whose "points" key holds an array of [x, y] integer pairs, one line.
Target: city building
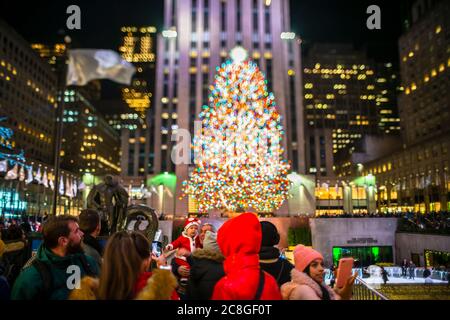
{"points": [[347, 96], [198, 36], [136, 122], [90, 144], [27, 96], [28, 101], [416, 177]]}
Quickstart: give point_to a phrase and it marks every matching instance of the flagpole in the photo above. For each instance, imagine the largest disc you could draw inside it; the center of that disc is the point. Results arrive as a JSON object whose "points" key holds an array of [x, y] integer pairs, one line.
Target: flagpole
{"points": [[62, 74]]}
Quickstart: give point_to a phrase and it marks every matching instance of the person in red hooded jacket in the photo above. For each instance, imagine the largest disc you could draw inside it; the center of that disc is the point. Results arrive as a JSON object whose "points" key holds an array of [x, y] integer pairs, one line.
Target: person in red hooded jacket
{"points": [[239, 240]]}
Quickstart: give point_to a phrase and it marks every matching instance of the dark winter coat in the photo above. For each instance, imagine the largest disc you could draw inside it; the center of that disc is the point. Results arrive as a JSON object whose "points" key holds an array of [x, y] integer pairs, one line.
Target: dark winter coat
{"points": [[206, 271], [93, 249], [279, 268], [29, 284]]}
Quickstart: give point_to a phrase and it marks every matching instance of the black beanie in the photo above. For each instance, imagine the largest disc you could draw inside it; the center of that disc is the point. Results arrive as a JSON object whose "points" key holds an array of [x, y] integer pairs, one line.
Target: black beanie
{"points": [[270, 236]]}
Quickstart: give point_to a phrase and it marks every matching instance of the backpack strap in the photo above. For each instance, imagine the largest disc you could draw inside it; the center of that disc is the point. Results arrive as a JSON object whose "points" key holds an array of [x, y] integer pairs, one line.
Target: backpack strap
{"points": [[46, 276], [87, 267], [260, 285], [281, 271]]}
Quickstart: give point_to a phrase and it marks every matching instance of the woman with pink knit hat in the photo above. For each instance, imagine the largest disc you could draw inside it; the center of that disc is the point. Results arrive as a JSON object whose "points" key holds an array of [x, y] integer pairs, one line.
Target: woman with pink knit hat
{"points": [[307, 279]]}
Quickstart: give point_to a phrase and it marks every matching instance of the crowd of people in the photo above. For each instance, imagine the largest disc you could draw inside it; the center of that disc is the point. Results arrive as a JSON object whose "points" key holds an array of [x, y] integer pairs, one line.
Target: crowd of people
{"points": [[361, 215], [241, 261], [433, 222]]}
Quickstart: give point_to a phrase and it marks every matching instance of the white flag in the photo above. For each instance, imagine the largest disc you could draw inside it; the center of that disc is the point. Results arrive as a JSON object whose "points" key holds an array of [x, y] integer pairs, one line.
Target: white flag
{"points": [[30, 175], [61, 186], [13, 173], [4, 166], [91, 64], [68, 188], [45, 179], [38, 176], [51, 183], [22, 174], [74, 189]]}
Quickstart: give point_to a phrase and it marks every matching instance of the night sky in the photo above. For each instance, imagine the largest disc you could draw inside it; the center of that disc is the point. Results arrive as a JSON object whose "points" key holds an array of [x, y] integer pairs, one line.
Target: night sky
{"points": [[313, 20]]}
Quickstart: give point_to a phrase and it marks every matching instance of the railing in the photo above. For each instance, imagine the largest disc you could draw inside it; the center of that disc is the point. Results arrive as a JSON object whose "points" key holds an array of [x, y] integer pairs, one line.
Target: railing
{"points": [[362, 291]]}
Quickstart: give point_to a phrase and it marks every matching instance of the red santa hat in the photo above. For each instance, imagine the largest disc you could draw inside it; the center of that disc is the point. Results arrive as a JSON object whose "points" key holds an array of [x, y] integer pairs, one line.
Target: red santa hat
{"points": [[191, 222]]}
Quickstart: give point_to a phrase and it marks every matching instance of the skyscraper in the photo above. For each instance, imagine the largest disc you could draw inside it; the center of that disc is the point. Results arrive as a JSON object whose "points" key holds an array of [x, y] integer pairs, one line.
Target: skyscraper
{"points": [[27, 96], [198, 37], [136, 123], [347, 97], [418, 177]]}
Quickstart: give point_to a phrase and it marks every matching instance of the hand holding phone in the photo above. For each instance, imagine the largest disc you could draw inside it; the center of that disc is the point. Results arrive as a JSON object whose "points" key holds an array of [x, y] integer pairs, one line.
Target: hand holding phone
{"points": [[156, 248], [344, 271]]}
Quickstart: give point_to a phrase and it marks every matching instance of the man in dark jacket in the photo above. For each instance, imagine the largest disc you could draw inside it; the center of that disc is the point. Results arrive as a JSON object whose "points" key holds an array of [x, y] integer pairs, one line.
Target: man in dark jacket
{"points": [[206, 269], [60, 260], [269, 256], [90, 224]]}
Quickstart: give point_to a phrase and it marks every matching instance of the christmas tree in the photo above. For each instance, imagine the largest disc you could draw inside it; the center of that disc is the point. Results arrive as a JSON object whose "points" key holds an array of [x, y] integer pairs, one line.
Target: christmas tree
{"points": [[238, 153]]}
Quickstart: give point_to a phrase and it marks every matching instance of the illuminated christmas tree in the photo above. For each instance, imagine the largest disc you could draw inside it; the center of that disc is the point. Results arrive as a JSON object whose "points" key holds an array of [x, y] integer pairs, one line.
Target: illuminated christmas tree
{"points": [[238, 153]]}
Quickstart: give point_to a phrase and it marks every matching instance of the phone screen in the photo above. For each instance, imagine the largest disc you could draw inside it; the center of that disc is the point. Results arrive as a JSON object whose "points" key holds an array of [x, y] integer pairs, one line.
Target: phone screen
{"points": [[157, 248]]}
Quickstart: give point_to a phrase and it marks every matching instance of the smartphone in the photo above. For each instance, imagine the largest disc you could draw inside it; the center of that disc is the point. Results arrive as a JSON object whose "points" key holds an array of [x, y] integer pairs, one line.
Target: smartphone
{"points": [[344, 271], [156, 248], [169, 268]]}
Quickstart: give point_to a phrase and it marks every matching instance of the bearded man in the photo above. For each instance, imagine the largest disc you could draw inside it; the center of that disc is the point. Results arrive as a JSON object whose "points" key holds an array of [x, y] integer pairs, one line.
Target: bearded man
{"points": [[58, 265]]}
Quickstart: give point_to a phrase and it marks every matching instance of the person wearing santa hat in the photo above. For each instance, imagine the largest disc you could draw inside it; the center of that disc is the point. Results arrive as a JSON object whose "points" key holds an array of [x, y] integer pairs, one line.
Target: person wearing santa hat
{"points": [[187, 242]]}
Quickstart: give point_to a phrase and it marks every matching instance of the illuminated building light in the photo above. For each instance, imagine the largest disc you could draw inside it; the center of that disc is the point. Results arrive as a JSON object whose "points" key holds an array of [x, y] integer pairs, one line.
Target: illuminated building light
{"points": [[442, 68], [434, 73], [169, 33], [288, 35], [438, 29]]}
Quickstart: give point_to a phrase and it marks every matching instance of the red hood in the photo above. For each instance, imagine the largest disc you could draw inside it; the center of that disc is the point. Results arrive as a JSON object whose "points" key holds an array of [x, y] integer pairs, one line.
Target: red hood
{"points": [[240, 235]]}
